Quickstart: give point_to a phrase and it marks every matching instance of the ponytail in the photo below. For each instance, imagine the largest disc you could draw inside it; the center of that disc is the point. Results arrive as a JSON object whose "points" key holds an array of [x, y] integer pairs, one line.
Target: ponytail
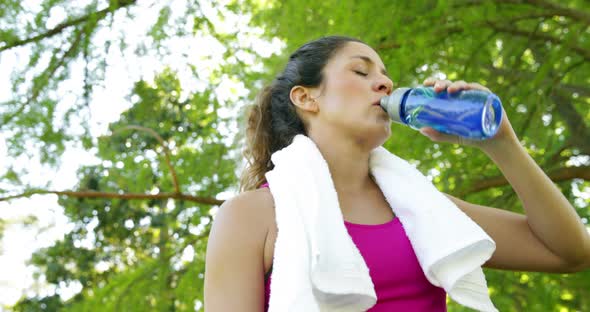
{"points": [[258, 137]]}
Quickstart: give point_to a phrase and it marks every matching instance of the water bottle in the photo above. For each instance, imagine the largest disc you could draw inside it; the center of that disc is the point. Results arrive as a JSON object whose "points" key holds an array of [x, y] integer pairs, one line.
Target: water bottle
{"points": [[472, 114]]}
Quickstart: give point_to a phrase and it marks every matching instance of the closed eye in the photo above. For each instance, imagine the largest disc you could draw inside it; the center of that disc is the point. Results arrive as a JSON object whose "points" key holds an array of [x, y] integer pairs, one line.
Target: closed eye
{"points": [[361, 73]]}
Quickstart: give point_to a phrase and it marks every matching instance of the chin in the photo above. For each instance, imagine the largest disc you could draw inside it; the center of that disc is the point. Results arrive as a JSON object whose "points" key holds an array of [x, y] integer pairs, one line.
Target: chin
{"points": [[375, 137], [383, 140]]}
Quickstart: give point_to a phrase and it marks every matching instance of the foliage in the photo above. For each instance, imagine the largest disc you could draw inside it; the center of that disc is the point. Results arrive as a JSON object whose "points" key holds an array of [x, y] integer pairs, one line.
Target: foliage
{"points": [[126, 253]]}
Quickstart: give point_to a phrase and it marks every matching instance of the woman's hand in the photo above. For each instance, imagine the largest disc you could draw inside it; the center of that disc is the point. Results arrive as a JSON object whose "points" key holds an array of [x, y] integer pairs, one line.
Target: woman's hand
{"points": [[504, 135]]}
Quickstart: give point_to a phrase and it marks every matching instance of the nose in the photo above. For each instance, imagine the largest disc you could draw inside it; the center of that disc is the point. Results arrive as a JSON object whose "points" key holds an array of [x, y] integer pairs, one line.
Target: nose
{"points": [[383, 84]]}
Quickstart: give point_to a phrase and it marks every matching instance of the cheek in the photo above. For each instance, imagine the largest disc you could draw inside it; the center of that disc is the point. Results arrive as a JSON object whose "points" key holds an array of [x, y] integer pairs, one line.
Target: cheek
{"points": [[349, 85], [345, 92]]}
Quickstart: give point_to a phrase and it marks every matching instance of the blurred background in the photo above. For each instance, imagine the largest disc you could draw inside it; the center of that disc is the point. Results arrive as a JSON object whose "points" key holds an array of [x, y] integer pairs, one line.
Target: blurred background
{"points": [[121, 130]]}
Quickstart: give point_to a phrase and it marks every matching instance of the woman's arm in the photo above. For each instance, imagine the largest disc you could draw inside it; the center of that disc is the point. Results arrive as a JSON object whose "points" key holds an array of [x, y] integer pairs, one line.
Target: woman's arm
{"points": [[517, 246], [549, 214], [551, 237]]}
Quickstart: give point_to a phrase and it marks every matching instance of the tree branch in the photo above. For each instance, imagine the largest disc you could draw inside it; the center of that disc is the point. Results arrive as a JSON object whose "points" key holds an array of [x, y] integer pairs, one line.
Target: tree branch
{"points": [[554, 9], [48, 72], [59, 28], [581, 90], [556, 156], [573, 88], [527, 122], [512, 30], [387, 45], [535, 15], [164, 146], [585, 53], [94, 194], [53, 67], [580, 132], [557, 175], [129, 196]]}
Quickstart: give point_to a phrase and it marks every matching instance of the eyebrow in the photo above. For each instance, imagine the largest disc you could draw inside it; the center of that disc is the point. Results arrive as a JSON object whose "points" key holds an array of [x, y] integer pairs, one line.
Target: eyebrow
{"points": [[370, 61]]}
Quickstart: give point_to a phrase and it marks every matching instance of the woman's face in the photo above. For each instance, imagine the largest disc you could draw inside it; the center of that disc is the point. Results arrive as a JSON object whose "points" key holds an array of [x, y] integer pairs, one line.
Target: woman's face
{"points": [[354, 81]]}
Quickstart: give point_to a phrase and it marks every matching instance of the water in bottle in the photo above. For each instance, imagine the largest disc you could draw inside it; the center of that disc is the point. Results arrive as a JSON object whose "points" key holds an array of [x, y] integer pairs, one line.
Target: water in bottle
{"points": [[473, 114]]}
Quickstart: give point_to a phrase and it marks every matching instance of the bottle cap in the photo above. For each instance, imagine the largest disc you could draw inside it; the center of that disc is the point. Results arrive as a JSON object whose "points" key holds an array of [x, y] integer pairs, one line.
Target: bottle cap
{"points": [[391, 103]]}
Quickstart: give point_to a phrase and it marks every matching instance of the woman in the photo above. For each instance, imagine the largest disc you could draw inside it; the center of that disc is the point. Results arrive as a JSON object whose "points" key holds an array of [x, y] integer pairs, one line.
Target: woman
{"points": [[327, 92]]}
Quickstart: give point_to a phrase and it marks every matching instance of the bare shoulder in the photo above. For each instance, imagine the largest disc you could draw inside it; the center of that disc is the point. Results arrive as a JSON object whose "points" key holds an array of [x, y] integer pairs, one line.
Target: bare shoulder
{"points": [[251, 208], [235, 251], [248, 214]]}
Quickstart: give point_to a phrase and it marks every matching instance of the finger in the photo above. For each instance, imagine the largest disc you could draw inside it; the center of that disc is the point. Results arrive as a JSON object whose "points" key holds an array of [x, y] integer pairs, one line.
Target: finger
{"points": [[457, 86], [429, 81], [441, 85], [440, 137]]}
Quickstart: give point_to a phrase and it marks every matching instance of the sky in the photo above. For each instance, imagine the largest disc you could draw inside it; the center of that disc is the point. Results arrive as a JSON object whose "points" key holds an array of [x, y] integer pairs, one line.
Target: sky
{"points": [[107, 103]]}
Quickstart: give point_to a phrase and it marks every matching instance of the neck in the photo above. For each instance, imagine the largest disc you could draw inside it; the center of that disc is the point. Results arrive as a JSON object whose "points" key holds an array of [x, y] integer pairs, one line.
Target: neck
{"points": [[348, 162]]}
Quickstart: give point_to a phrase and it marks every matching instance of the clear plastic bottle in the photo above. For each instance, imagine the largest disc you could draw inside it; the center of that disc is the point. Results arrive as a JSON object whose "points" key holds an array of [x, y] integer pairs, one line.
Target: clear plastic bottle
{"points": [[472, 114]]}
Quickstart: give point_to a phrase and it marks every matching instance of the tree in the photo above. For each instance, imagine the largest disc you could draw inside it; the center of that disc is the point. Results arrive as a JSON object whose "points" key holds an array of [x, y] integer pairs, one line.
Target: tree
{"points": [[533, 53], [147, 206], [141, 215]]}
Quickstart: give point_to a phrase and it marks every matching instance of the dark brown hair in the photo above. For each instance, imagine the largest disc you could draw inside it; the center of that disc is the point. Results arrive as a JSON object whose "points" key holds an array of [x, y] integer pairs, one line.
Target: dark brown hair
{"points": [[272, 122]]}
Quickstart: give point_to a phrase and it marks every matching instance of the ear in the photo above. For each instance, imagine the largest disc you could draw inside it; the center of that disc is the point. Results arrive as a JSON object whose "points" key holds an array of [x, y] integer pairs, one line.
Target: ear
{"points": [[301, 97]]}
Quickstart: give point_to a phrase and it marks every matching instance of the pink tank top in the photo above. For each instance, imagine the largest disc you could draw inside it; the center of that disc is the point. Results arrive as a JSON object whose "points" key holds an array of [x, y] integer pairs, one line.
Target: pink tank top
{"points": [[399, 282]]}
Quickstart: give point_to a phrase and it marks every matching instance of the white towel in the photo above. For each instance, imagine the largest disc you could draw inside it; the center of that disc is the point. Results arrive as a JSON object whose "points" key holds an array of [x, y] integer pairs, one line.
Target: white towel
{"points": [[317, 266]]}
